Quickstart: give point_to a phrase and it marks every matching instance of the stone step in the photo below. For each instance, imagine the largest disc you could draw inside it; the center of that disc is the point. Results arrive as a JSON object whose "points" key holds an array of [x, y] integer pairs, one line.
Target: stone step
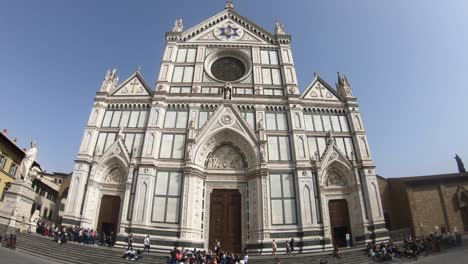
{"points": [[77, 253]]}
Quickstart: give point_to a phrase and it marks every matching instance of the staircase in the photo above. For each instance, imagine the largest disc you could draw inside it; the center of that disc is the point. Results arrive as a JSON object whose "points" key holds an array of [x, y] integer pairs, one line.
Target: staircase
{"points": [[45, 247], [349, 256]]}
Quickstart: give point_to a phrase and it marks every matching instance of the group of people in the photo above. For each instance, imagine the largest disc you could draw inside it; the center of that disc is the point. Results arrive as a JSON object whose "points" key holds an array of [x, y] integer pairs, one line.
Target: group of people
{"points": [[410, 248], [75, 234], [217, 256], [134, 254], [383, 251]]}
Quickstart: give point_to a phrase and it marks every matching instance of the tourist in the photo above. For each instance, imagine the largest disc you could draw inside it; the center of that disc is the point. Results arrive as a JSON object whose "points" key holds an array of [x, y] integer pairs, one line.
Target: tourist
{"points": [[336, 252], [274, 248], [110, 240], [130, 241], [217, 247], [292, 246], [288, 248], [146, 243]]}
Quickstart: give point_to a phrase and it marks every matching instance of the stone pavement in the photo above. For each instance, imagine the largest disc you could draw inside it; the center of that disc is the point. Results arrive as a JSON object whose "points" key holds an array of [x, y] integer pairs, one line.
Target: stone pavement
{"points": [[16, 257], [452, 256]]}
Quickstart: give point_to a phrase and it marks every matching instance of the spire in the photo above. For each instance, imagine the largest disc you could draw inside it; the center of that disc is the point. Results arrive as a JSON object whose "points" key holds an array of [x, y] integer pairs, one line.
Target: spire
{"points": [[110, 80], [343, 86], [229, 5], [461, 167]]}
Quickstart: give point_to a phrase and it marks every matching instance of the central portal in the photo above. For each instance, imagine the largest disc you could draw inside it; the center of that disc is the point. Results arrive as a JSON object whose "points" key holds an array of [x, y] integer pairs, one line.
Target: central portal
{"points": [[339, 221], [109, 214], [225, 220]]}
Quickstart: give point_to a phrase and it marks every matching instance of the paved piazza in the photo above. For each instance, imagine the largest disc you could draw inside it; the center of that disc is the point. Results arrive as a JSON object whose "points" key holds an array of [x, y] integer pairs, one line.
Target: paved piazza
{"points": [[19, 257]]}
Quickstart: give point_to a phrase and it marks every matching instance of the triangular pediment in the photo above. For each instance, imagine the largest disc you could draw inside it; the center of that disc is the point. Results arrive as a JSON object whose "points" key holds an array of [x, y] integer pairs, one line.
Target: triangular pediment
{"points": [[230, 117], [332, 153], [226, 126], [116, 150], [228, 26], [318, 89], [135, 85]]}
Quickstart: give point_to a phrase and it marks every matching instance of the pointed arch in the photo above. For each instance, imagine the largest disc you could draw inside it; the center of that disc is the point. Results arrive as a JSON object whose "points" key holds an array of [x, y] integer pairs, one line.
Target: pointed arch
{"points": [[222, 136], [307, 204], [376, 198], [337, 169], [86, 141], [94, 116], [364, 145], [227, 156], [301, 147], [149, 151], [154, 120], [141, 203], [75, 186], [358, 121], [297, 120]]}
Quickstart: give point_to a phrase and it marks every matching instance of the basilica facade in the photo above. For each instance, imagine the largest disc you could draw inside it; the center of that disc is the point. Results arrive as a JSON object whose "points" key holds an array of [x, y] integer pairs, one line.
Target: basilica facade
{"points": [[226, 147]]}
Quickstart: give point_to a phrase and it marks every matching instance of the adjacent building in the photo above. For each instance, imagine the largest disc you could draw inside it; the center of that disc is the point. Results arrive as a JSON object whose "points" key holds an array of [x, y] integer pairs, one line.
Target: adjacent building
{"points": [[426, 204], [225, 146], [10, 159], [51, 190]]}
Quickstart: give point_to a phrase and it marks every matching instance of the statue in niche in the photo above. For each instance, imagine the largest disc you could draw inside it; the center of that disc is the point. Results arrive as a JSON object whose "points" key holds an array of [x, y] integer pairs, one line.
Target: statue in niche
{"points": [[227, 91], [178, 26], [260, 124], [335, 180], [329, 137], [461, 166]]}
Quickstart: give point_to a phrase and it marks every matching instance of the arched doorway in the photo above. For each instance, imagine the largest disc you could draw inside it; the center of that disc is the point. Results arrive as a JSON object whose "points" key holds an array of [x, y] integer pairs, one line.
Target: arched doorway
{"points": [[225, 219], [339, 221], [108, 214]]}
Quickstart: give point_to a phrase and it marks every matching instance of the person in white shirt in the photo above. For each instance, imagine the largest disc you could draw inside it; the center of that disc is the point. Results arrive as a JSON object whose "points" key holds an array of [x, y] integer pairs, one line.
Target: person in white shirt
{"points": [[146, 242]]}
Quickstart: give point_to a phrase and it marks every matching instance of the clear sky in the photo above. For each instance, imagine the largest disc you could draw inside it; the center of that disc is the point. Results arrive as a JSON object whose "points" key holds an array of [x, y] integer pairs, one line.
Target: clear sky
{"points": [[407, 62]]}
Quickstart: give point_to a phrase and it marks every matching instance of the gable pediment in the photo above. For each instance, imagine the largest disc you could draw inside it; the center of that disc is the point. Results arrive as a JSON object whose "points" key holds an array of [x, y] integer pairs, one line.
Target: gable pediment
{"points": [[135, 85], [318, 89], [228, 31], [228, 26]]}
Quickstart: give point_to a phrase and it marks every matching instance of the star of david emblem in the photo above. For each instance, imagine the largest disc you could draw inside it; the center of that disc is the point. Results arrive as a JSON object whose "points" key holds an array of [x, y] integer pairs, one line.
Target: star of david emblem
{"points": [[229, 32]]}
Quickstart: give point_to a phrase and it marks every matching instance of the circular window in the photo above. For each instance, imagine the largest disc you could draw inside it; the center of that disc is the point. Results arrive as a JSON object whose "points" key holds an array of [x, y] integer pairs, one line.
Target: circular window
{"points": [[228, 65], [228, 69]]}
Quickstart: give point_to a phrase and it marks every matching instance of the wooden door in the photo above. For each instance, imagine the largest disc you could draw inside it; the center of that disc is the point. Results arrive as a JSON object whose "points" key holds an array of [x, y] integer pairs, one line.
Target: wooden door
{"points": [[225, 220], [339, 221]]}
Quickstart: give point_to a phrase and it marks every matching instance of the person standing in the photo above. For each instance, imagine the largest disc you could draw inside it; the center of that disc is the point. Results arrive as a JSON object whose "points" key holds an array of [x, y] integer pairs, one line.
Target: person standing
{"points": [[288, 248], [274, 248], [292, 246], [110, 240], [146, 243], [217, 246], [130, 242]]}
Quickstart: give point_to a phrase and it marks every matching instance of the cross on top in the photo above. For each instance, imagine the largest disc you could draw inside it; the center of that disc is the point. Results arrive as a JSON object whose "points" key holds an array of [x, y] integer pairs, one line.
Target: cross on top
{"points": [[134, 83], [320, 88]]}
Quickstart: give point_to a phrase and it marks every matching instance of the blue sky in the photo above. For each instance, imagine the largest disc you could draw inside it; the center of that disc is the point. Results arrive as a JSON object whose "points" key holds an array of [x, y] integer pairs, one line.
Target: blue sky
{"points": [[406, 60]]}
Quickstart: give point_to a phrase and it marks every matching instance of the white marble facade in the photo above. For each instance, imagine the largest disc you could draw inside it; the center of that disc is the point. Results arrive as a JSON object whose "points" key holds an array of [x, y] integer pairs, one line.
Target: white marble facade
{"points": [[226, 113]]}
